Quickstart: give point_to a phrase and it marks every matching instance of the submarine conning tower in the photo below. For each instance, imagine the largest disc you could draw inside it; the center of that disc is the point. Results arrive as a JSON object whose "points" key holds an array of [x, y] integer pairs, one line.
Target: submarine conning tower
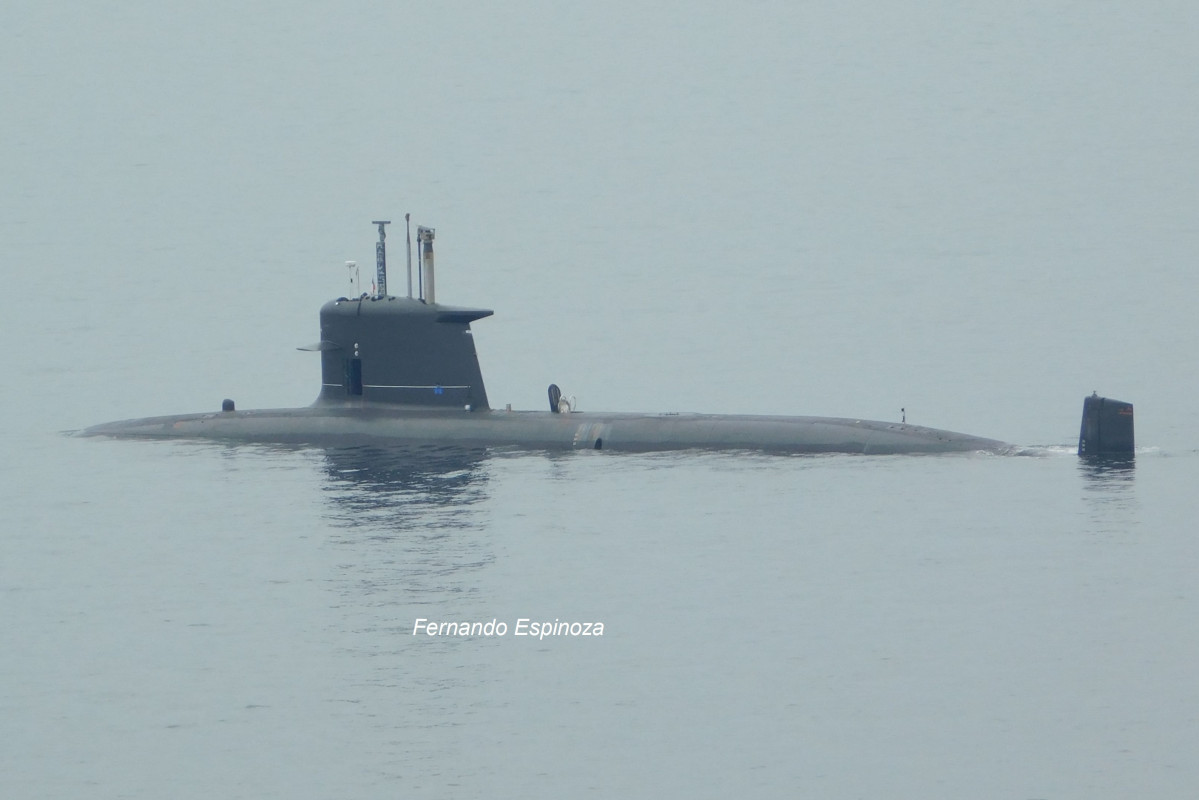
{"points": [[407, 351]]}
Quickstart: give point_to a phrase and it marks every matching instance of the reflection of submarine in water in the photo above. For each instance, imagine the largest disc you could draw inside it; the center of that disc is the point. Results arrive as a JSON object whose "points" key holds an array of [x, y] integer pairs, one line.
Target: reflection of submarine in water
{"points": [[404, 370], [368, 486]]}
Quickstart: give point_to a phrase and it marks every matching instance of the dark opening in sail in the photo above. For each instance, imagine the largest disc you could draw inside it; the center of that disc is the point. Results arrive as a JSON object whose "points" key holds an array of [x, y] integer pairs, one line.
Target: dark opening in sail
{"points": [[354, 376]]}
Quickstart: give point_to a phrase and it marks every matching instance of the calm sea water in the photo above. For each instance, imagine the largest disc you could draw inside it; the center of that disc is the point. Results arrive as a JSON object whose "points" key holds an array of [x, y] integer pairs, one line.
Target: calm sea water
{"points": [[979, 215]]}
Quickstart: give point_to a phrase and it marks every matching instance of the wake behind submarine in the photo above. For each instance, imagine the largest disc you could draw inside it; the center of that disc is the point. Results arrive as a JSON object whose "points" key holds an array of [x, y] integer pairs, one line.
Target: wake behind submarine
{"points": [[403, 370]]}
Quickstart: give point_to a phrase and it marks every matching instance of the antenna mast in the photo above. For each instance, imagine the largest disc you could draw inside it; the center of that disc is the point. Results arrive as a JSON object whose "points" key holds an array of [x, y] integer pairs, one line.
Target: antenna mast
{"points": [[408, 225], [381, 257]]}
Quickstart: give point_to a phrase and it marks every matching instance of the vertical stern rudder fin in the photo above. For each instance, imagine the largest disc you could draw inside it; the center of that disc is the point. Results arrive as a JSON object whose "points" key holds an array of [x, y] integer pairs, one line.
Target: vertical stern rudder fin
{"points": [[1107, 427]]}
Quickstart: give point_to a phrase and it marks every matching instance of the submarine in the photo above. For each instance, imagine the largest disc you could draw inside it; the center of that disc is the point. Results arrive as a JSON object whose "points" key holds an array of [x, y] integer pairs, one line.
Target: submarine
{"points": [[403, 370]]}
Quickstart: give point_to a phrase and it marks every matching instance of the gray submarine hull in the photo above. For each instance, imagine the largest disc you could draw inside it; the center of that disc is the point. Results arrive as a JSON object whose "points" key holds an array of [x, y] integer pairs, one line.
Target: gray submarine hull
{"points": [[404, 371], [544, 430]]}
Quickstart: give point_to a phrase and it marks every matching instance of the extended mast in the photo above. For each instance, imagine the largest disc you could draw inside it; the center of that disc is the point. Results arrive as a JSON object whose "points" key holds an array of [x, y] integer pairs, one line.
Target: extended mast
{"points": [[381, 258]]}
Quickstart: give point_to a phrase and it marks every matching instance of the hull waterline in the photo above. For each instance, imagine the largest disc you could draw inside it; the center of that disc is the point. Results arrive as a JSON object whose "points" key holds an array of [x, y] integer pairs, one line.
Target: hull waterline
{"points": [[548, 431]]}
